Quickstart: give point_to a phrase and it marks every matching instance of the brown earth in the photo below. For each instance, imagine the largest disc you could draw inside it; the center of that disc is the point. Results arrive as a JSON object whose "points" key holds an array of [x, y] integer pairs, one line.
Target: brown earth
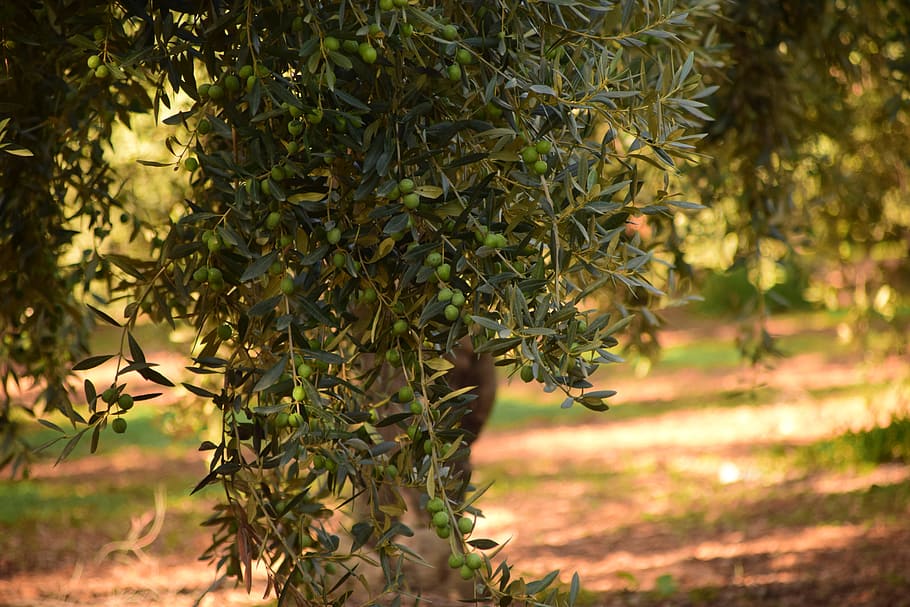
{"points": [[681, 508]]}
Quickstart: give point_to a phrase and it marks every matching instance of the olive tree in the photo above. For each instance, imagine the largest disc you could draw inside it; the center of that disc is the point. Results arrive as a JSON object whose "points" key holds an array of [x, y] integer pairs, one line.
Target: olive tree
{"points": [[372, 184]]}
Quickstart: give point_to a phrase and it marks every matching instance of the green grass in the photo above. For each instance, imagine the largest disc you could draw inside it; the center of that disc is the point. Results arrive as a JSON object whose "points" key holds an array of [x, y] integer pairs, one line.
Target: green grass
{"points": [[145, 434], [700, 508], [92, 500], [519, 412], [601, 483], [83, 507], [703, 354], [515, 412], [145, 431], [877, 445], [78, 499]]}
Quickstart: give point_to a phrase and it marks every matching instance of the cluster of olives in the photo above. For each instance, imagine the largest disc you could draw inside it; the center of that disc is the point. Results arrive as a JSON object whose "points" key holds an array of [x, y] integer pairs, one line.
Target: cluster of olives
{"points": [[467, 564], [455, 297], [115, 395], [231, 83], [533, 156], [404, 191], [99, 69], [211, 276]]}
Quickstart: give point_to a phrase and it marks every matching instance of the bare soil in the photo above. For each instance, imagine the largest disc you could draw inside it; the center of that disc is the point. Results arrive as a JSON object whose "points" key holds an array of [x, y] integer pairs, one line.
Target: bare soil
{"points": [[681, 508]]}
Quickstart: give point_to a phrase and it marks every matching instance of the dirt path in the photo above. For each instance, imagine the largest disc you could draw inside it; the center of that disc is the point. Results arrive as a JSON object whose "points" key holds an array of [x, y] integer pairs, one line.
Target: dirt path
{"points": [[687, 501], [730, 536], [681, 508]]}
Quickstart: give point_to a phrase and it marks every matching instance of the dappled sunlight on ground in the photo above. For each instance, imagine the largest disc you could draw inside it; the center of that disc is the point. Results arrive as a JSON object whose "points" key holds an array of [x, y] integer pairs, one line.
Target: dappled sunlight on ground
{"points": [[700, 497], [681, 431]]}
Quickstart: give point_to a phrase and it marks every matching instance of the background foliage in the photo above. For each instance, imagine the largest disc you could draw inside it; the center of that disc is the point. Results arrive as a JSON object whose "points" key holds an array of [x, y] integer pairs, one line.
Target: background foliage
{"points": [[806, 164]]}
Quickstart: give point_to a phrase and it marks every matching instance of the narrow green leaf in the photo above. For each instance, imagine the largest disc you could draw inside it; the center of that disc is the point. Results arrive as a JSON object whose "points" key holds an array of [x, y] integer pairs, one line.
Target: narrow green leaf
{"points": [[91, 362], [198, 391], [50, 424], [574, 587], [18, 151], [593, 404], [265, 306], [90, 393], [601, 394], [154, 163], [483, 544], [543, 89], [136, 351], [154, 376], [96, 436], [104, 316], [271, 376], [149, 396], [498, 345], [685, 204], [259, 267], [539, 585], [488, 323], [71, 444]]}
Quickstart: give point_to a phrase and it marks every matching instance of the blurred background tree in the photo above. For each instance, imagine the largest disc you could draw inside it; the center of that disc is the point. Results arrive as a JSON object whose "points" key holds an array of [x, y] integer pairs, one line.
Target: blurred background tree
{"points": [[806, 165]]}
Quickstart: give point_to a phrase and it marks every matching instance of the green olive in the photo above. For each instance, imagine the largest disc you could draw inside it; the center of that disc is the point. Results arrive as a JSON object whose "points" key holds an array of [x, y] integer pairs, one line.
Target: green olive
{"points": [[473, 560], [411, 201], [454, 72], [232, 83], [449, 32], [451, 313], [287, 285], [465, 525], [367, 52], [441, 519], [406, 186]]}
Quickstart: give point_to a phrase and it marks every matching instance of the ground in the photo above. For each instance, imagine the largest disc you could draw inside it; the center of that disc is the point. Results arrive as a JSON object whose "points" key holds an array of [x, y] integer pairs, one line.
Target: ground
{"points": [[692, 490]]}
